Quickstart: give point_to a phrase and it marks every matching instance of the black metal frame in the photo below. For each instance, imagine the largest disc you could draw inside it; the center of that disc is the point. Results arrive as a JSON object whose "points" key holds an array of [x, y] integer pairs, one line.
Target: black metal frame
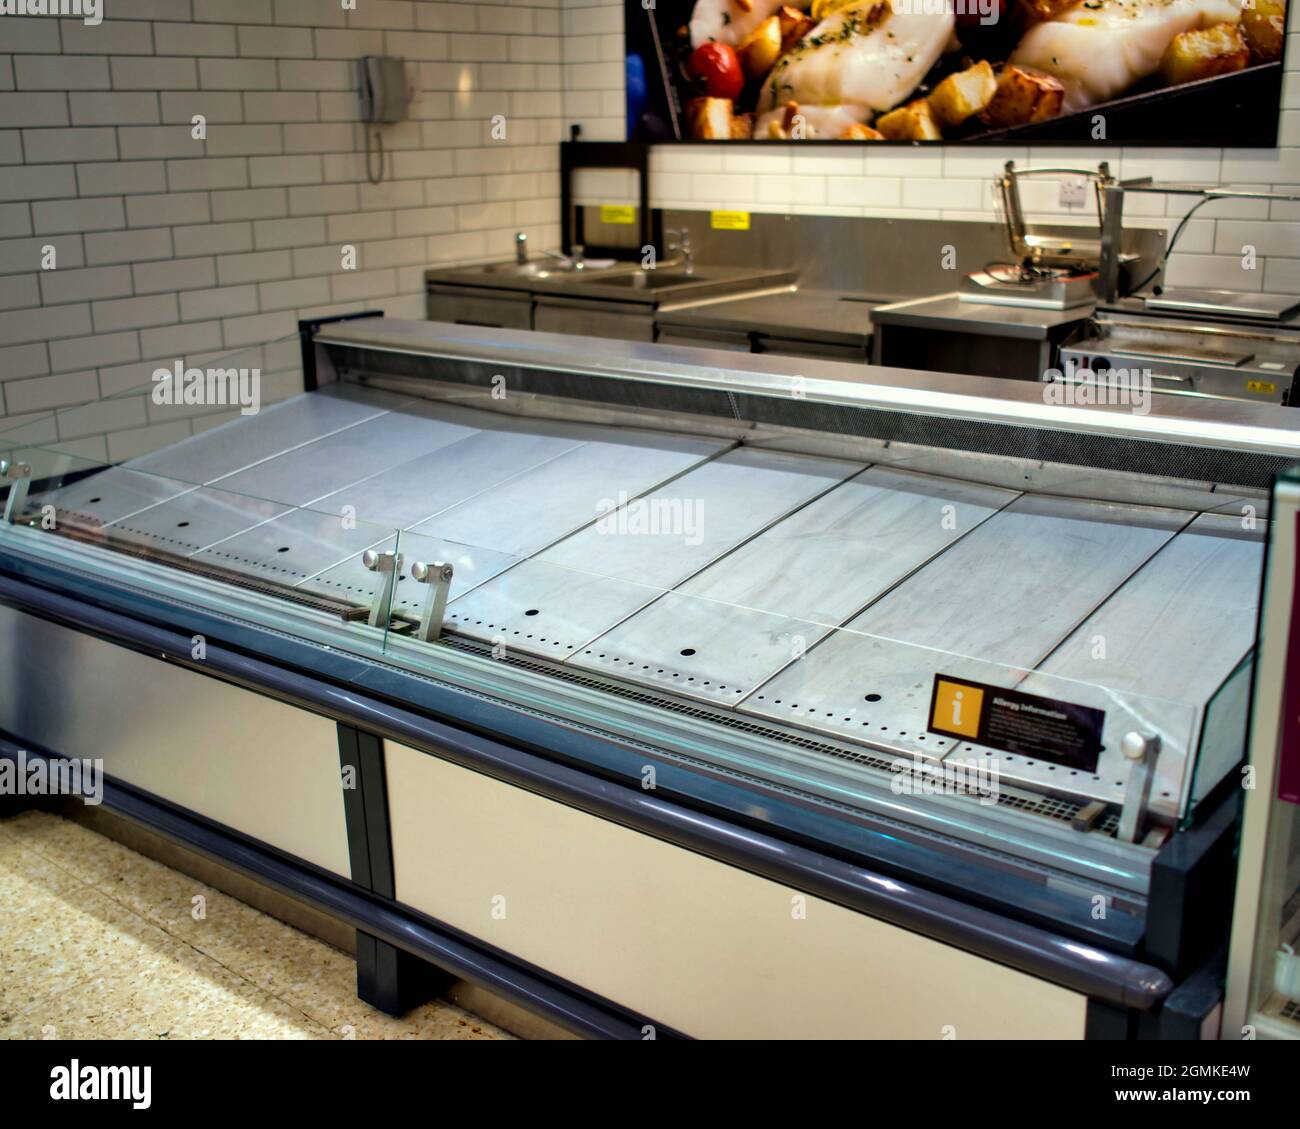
{"points": [[1189, 906], [307, 344], [575, 155], [391, 979]]}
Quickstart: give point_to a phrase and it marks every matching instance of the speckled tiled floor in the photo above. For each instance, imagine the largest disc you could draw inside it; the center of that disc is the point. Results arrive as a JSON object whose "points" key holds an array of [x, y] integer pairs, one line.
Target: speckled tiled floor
{"points": [[99, 942]]}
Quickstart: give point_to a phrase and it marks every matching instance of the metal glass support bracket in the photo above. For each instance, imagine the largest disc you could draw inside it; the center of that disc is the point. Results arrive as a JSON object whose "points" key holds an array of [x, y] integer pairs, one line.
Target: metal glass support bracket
{"points": [[389, 566], [438, 576], [19, 477], [1142, 752]]}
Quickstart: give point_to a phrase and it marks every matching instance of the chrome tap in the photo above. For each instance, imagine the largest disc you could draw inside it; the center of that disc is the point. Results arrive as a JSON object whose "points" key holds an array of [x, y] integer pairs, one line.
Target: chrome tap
{"points": [[521, 248], [682, 246], [577, 255]]}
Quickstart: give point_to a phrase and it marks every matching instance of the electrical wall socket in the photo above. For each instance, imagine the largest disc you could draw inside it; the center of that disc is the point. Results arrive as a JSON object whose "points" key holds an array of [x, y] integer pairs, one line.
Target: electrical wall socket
{"points": [[1074, 191]]}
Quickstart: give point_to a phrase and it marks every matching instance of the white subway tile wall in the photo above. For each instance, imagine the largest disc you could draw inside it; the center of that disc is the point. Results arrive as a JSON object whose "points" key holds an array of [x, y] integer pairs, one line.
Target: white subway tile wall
{"points": [[169, 247], [947, 182]]}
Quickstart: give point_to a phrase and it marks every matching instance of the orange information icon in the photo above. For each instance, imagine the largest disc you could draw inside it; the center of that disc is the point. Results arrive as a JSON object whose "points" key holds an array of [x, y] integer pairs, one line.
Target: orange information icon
{"points": [[957, 708]]}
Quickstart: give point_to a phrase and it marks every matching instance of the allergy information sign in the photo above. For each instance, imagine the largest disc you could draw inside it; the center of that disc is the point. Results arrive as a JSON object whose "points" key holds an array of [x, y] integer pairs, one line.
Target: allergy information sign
{"points": [[1028, 725]]}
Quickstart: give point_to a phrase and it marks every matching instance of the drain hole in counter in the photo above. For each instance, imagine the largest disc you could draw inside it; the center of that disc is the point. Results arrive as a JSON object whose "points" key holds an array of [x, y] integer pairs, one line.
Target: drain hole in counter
{"points": [[688, 651]]}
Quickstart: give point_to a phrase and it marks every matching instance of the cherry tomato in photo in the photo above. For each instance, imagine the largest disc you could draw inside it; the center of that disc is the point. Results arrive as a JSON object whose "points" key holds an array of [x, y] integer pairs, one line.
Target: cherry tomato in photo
{"points": [[718, 65]]}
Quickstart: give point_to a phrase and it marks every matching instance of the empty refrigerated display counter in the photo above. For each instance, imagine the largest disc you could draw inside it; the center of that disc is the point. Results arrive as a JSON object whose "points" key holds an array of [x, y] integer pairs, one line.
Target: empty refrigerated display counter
{"points": [[676, 691]]}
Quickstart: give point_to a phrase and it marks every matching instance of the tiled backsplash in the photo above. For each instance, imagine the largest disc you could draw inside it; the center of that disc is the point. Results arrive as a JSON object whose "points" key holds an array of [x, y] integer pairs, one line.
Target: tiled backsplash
{"points": [[170, 247], [948, 181]]}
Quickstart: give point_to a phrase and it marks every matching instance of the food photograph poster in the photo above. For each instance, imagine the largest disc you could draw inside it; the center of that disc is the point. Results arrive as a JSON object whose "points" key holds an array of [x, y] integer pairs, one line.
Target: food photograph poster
{"points": [[1150, 72]]}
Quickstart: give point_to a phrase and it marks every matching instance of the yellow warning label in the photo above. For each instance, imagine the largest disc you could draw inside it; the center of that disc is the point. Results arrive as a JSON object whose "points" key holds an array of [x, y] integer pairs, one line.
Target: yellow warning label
{"points": [[617, 213], [1265, 387], [730, 221], [957, 708]]}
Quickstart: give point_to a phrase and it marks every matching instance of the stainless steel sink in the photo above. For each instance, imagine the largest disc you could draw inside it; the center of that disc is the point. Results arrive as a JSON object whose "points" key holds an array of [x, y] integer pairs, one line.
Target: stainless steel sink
{"points": [[654, 280], [536, 268]]}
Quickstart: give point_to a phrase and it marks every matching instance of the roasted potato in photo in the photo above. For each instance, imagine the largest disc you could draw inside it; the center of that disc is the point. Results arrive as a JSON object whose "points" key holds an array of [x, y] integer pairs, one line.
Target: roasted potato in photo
{"points": [[859, 132], [1023, 96], [761, 48], [1203, 54], [912, 122], [963, 95], [794, 26], [1264, 26], [709, 119]]}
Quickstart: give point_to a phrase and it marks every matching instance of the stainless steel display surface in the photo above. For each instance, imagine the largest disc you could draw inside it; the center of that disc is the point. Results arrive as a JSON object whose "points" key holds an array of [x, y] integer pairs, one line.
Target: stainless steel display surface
{"points": [[313, 470], [741, 620], [273, 431], [528, 513], [813, 594], [116, 493], [291, 548], [991, 607], [195, 520], [648, 545], [1151, 655]]}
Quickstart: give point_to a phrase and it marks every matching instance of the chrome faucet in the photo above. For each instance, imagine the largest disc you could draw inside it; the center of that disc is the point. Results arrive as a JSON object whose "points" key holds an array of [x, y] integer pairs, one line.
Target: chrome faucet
{"points": [[577, 255], [521, 248], [682, 245]]}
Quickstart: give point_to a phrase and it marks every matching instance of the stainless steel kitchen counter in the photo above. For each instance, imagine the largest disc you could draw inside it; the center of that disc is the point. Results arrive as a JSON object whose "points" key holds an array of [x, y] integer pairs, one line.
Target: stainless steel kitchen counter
{"points": [[947, 312], [837, 317], [604, 284]]}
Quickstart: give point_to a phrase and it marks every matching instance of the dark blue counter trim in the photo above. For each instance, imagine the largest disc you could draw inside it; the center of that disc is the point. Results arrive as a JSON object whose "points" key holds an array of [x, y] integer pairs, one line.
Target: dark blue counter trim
{"points": [[1083, 968]]}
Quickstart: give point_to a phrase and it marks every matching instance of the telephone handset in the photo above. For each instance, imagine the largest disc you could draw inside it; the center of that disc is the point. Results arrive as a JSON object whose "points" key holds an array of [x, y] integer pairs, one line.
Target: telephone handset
{"points": [[384, 93]]}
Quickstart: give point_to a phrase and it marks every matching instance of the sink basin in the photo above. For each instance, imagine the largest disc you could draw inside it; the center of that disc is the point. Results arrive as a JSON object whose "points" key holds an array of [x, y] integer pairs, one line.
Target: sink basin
{"points": [[542, 268], [539, 269], [653, 279]]}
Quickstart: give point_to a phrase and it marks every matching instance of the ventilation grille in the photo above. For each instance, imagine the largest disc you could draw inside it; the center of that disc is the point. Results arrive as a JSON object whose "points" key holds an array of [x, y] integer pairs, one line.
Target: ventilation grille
{"points": [[1183, 462]]}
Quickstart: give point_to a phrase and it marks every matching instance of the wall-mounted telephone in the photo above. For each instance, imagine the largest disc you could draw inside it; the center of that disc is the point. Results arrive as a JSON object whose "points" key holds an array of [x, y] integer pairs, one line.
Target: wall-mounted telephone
{"points": [[384, 93], [381, 81]]}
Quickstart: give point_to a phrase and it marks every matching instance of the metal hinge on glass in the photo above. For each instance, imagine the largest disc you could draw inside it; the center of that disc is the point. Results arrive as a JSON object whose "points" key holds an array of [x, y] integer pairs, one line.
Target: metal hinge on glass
{"points": [[438, 577]]}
